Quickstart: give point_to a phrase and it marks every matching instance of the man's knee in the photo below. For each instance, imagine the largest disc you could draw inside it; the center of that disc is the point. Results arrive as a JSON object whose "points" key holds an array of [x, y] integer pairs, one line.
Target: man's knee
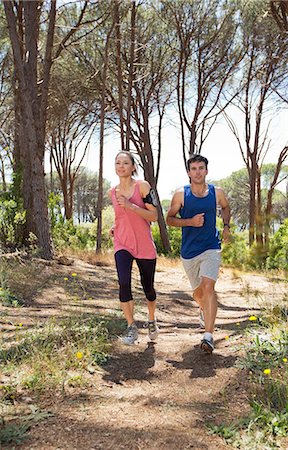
{"points": [[207, 284]]}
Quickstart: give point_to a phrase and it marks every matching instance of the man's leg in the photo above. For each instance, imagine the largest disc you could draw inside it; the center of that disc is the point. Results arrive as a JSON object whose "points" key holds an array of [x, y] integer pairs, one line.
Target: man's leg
{"points": [[206, 297]]}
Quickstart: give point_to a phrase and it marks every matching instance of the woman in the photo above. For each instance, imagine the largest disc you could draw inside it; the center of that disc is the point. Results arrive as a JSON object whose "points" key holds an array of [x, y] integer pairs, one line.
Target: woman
{"points": [[135, 207]]}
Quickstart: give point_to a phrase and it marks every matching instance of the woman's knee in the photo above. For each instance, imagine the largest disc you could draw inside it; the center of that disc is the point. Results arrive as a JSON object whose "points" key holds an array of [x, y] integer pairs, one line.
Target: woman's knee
{"points": [[151, 295], [125, 292]]}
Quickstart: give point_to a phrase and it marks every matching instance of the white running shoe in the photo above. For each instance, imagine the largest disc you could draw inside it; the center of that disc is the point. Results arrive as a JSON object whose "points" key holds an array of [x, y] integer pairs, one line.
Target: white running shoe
{"points": [[131, 335], [153, 330]]}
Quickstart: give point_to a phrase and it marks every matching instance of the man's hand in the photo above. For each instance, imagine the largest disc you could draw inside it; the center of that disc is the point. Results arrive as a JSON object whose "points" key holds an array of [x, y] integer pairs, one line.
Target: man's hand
{"points": [[197, 221], [226, 235]]}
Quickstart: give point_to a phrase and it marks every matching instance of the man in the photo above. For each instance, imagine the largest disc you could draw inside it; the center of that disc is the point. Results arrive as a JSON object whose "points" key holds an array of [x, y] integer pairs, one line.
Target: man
{"points": [[197, 205]]}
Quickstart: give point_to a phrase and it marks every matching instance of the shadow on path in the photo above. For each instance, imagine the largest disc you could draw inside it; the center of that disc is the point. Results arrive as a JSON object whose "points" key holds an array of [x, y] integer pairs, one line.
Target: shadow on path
{"points": [[203, 365], [131, 366]]}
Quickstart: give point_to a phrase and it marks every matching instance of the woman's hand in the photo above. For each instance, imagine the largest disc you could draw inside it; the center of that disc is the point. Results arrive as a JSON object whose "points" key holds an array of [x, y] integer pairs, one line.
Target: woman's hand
{"points": [[124, 202]]}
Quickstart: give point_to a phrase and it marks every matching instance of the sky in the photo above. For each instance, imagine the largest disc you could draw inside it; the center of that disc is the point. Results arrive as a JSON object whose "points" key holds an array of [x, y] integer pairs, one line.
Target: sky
{"points": [[221, 150]]}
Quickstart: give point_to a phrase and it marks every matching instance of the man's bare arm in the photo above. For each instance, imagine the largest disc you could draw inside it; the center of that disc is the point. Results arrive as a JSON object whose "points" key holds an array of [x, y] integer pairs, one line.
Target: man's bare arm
{"points": [[175, 206]]}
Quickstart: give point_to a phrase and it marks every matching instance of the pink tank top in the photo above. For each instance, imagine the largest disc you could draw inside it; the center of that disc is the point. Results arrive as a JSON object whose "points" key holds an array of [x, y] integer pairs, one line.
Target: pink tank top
{"points": [[132, 232]]}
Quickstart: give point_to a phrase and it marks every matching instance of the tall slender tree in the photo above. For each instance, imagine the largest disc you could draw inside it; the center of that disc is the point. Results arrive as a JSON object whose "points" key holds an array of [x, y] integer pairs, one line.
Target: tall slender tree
{"points": [[264, 74], [32, 75]]}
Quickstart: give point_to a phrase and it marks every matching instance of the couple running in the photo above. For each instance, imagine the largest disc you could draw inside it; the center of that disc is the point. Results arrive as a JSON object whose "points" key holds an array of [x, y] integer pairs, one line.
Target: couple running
{"points": [[135, 206]]}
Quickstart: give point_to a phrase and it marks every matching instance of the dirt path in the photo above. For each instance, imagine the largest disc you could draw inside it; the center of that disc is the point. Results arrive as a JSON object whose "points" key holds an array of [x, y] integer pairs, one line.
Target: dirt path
{"points": [[151, 396]]}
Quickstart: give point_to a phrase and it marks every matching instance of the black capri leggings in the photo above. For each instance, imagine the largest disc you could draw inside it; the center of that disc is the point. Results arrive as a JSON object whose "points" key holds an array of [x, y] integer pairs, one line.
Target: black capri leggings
{"points": [[124, 261]]}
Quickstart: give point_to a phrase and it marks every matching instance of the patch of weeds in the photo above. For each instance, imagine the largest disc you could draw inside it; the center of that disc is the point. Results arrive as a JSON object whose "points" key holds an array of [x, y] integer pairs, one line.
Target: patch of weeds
{"points": [[265, 350], [266, 359], [226, 432], [9, 299], [248, 292], [44, 356], [75, 381], [8, 392], [272, 422], [15, 433]]}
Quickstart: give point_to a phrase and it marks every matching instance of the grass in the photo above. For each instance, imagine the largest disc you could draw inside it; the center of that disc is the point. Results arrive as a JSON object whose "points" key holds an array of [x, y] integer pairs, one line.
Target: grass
{"points": [[266, 360], [16, 433], [9, 299], [61, 354], [54, 355]]}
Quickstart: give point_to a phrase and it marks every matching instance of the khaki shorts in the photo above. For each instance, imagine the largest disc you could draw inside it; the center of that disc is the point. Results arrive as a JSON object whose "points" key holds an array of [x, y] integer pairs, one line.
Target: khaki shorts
{"points": [[206, 264]]}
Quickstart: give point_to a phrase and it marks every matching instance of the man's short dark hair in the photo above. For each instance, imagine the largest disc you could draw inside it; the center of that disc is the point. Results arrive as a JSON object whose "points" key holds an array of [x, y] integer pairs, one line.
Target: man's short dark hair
{"points": [[196, 158]]}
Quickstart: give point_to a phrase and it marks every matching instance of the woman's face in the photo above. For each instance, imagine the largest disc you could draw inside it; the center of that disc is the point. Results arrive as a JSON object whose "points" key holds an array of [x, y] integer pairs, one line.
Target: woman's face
{"points": [[124, 166]]}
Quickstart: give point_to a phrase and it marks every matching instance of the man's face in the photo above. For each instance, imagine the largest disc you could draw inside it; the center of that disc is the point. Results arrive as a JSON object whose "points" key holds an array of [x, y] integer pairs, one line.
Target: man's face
{"points": [[197, 172]]}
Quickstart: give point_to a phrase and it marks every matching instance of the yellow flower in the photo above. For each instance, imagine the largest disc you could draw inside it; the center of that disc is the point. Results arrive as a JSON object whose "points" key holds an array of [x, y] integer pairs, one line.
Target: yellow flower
{"points": [[267, 371], [252, 318], [238, 324], [79, 355], [284, 359], [226, 337], [20, 324], [74, 274], [65, 279]]}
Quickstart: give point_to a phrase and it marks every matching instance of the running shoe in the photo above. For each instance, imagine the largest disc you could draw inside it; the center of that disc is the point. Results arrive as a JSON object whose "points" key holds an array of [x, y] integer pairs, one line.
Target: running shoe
{"points": [[207, 345], [153, 330], [131, 335]]}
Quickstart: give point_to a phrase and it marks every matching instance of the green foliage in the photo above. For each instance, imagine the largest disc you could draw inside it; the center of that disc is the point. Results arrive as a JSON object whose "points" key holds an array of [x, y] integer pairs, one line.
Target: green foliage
{"points": [[12, 222], [54, 208], [174, 235], [275, 424], [73, 236], [266, 359], [82, 236], [265, 351], [236, 252], [12, 215], [9, 299], [16, 433], [76, 343], [278, 251], [226, 432]]}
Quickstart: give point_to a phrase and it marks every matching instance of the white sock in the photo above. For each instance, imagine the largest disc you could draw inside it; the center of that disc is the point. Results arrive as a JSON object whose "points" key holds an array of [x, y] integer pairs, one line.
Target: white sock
{"points": [[207, 335]]}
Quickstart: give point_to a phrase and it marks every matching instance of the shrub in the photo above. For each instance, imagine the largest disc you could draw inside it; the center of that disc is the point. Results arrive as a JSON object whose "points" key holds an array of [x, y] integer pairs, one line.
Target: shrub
{"points": [[12, 222], [278, 251], [174, 235], [236, 252]]}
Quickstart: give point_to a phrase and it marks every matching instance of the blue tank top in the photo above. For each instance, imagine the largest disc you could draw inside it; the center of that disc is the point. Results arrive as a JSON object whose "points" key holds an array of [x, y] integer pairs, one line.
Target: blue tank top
{"points": [[196, 240]]}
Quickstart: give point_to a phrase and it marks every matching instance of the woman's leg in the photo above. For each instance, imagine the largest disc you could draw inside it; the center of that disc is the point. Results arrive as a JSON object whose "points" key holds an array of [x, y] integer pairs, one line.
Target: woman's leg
{"points": [[124, 261], [147, 273]]}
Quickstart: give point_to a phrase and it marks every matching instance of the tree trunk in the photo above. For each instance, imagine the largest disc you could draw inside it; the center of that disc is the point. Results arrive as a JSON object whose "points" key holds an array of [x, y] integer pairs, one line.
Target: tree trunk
{"points": [[252, 205], [119, 71], [101, 147], [147, 161], [35, 200], [131, 75]]}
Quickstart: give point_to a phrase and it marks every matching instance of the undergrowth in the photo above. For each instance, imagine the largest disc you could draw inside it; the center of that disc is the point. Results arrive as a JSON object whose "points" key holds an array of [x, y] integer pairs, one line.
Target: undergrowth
{"points": [[60, 355], [266, 360]]}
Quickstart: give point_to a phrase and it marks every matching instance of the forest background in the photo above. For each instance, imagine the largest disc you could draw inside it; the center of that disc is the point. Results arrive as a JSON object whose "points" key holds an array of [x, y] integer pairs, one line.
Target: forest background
{"points": [[163, 80]]}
